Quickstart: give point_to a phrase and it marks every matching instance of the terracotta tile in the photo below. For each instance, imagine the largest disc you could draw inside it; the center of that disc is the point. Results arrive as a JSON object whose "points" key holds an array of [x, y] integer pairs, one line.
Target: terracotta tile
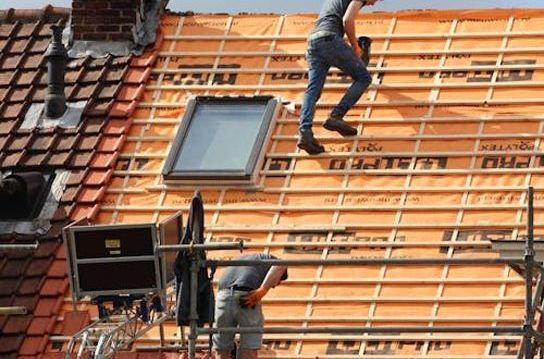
{"points": [[30, 286], [60, 253], [17, 46], [53, 287], [47, 248], [70, 194], [137, 75], [43, 143], [40, 326], [123, 109], [19, 143], [77, 63], [92, 75], [17, 324], [59, 159], [8, 286], [39, 45], [84, 211], [32, 345], [34, 159], [130, 93], [61, 214], [98, 177], [39, 93], [87, 143], [116, 127], [32, 61], [18, 94], [57, 269], [27, 77], [3, 142], [14, 268], [50, 355], [65, 143], [3, 92], [76, 178], [121, 60], [6, 126], [91, 195], [99, 62], [72, 75], [93, 125], [83, 92], [6, 29], [11, 62], [26, 30], [81, 159], [108, 92], [12, 159], [116, 74], [9, 344], [38, 267], [102, 160], [46, 307], [110, 143], [13, 111], [6, 77], [74, 321], [99, 108], [147, 59], [126, 355]]}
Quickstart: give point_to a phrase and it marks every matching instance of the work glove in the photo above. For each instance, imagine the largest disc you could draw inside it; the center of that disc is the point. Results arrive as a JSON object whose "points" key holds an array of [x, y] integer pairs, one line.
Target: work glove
{"points": [[365, 44], [252, 298]]}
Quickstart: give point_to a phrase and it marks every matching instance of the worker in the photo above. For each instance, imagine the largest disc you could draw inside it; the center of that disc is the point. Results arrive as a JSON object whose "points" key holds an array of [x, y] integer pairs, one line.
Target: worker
{"points": [[326, 48], [238, 304]]}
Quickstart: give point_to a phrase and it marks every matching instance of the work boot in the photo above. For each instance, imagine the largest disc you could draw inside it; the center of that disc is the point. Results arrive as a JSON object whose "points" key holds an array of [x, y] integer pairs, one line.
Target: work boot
{"points": [[308, 143], [340, 126]]}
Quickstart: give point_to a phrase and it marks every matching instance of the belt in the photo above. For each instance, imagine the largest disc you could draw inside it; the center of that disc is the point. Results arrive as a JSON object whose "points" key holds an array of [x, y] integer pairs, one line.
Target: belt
{"points": [[240, 288], [320, 35]]}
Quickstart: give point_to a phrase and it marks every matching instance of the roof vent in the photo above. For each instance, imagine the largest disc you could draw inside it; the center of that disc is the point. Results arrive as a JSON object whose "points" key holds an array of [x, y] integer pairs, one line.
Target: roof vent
{"points": [[55, 100], [21, 195]]}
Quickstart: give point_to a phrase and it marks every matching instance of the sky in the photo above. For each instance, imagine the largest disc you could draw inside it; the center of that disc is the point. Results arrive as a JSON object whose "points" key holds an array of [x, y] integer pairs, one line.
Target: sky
{"points": [[290, 6]]}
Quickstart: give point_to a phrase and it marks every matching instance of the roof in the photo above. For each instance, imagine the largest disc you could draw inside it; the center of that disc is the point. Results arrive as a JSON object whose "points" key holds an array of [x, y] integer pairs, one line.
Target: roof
{"points": [[109, 87], [447, 147]]}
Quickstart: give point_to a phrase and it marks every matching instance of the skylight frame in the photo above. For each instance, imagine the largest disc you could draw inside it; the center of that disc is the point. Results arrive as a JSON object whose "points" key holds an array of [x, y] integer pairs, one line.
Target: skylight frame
{"points": [[256, 158]]}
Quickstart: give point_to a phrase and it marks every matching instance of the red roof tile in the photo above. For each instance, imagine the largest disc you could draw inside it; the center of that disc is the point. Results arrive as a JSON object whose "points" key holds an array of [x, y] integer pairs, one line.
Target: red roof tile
{"points": [[17, 324], [98, 177], [41, 325], [30, 286], [74, 321], [47, 306], [10, 344], [32, 345], [52, 287], [57, 269], [147, 59], [91, 195], [122, 109], [137, 75]]}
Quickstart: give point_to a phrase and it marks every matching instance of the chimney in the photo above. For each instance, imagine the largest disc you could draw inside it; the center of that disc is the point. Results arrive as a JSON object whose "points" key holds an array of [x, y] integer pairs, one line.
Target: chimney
{"points": [[55, 101], [104, 20]]}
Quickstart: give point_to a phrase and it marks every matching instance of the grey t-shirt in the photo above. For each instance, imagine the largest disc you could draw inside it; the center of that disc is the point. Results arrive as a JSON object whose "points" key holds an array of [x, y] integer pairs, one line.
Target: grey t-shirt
{"points": [[331, 15], [250, 276]]}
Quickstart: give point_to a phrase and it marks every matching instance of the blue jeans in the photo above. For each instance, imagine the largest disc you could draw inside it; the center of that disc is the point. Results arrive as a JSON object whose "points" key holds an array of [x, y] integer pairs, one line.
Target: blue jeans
{"points": [[323, 53]]}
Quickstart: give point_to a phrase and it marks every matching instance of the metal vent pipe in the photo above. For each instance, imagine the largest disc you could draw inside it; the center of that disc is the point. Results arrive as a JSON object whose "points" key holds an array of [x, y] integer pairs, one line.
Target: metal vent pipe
{"points": [[55, 100]]}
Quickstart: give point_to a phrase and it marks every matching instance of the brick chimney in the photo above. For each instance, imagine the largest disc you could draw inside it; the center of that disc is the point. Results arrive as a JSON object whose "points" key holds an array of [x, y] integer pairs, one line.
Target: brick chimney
{"points": [[104, 20]]}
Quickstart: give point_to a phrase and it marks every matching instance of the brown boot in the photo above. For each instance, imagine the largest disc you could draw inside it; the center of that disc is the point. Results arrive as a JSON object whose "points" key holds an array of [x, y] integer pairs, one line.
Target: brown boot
{"points": [[340, 126], [308, 143]]}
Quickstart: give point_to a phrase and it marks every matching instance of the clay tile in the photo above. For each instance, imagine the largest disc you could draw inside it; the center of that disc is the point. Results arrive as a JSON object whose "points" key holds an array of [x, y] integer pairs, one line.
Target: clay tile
{"points": [[121, 60], [83, 92], [13, 110], [43, 143], [14, 268], [76, 63], [108, 91], [3, 92], [8, 286], [98, 177], [81, 159], [6, 30], [76, 178], [30, 286], [74, 321], [17, 46], [40, 326], [100, 62], [70, 194], [59, 159], [11, 62], [25, 30], [61, 214], [130, 93], [17, 324], [147, 59], [26, 78], [34, 159], [92, 75], [110, 143], [39, 93], [60, 253], [18, 94], [87, 143], [58, 269], [12, 159], [84, 211], [116, 127], [91, 195], [38, 267], [103, 160], [10, 343], [93, 125], [46, 307], [115, 75], [99, 108], [137, 75], [65, 143], [122, 109], [6, 77], [6, 126], [126, 355], [19, 143], [32, 345], [53, 287], [39, 45], [72, 76], [46, 249], [32, 61]]}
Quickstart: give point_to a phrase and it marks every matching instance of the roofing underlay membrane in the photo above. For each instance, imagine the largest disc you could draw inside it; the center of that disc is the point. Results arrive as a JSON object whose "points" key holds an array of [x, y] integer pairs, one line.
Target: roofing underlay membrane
{"points": [[449, 140]]}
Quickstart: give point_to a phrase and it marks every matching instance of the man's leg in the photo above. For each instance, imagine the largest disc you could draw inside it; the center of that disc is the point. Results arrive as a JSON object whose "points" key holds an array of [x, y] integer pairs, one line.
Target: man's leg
{"points": [[225, 316], [345, 59], [250, 343], [317, 75]]}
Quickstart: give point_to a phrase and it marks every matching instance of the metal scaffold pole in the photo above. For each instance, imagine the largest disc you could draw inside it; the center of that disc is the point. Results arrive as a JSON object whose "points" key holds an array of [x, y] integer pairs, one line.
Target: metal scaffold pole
{"points": [[529, 265]]}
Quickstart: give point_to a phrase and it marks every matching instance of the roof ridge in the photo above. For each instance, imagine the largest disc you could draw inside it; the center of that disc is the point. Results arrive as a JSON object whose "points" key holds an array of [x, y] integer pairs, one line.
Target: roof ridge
{"points": [[49, 14]]}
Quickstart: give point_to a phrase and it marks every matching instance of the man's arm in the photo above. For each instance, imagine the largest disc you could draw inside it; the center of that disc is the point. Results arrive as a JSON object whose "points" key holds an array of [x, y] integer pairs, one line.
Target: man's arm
{"points": [[349, 23], [272, 279]]}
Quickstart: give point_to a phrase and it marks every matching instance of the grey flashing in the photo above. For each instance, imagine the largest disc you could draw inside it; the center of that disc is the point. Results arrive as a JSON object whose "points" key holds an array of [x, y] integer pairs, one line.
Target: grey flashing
{"points": [[41, 224], [35, 118], [100, 48]]}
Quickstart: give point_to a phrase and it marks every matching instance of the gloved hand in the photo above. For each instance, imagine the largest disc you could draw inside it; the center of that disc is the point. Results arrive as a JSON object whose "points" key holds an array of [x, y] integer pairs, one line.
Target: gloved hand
{"points": [[253, 298], [365, 44]]}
